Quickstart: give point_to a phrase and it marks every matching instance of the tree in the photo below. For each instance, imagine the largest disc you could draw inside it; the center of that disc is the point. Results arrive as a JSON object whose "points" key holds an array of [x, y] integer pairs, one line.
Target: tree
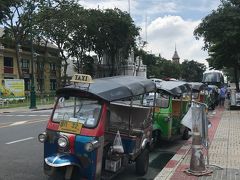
{"points": [[119, 33], [5, 7], [55, 23], [192, 71], [168, 69], [17, 26], [221, 33], [79, 41]]}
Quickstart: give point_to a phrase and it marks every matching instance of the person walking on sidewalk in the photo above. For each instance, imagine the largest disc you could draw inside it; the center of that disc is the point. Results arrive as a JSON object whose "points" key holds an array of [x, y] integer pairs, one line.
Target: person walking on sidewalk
{"points": [[222, 95]]}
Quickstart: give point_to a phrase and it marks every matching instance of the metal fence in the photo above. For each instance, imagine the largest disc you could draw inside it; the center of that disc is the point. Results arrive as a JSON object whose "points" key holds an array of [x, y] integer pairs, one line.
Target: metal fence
{"points": [[41, 99]]}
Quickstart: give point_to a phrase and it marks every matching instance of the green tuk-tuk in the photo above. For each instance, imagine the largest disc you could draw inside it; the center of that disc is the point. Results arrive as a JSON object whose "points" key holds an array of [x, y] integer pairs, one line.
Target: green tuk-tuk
{"points": [[170, 107], [199, 92]]}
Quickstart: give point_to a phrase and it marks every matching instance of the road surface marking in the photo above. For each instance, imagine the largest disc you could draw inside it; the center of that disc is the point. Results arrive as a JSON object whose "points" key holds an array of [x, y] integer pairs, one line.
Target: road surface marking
{"points": [[20, 140], [27, 115], [28, 122], [17, 123]]}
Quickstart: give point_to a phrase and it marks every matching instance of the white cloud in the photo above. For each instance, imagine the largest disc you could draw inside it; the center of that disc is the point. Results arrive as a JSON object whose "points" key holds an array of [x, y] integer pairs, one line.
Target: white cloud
{"points": [[166, 25], [164, 32]]}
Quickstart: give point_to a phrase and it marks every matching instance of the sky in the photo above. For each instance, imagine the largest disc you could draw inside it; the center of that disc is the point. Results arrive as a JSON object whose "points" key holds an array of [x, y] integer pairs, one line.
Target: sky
{"points": [[165, 23]]}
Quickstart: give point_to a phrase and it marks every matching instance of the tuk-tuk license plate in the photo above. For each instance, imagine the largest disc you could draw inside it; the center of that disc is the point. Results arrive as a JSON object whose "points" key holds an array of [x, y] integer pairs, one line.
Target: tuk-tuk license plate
{"points": [[69, 126]]}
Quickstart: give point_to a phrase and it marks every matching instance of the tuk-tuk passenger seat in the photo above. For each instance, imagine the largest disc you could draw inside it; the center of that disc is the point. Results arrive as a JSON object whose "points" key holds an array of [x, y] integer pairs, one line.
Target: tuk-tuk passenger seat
{"points": [[176, 107]]}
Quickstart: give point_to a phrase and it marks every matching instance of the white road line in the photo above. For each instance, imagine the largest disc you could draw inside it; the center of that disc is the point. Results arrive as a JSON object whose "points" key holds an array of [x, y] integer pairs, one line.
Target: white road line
{"points": [[20, 140], [7, 115], [26, 115], [17, 123]]}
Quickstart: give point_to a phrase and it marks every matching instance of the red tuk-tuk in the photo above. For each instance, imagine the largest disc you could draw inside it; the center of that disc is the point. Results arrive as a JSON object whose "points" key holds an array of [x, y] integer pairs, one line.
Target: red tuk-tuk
{"points": [[98, 127]]}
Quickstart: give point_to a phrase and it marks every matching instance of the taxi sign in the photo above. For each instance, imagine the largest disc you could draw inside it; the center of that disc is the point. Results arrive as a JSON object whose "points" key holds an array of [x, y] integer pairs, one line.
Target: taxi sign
{"points": [[82, 78], [70, 127]]}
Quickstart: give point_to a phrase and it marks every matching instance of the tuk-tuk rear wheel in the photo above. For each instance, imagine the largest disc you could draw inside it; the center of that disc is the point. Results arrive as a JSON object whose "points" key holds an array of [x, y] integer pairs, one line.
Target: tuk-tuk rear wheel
{"points": [[156, 135], [186, 135], [142, 163]]}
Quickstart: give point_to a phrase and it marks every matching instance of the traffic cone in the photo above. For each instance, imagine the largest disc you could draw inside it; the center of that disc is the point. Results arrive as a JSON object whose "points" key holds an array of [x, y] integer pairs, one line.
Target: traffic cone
{"points": [[197, 162]]}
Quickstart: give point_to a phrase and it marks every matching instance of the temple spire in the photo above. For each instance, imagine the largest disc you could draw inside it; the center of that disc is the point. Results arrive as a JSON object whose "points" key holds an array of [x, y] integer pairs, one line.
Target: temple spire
{"points": [[175, 57]]}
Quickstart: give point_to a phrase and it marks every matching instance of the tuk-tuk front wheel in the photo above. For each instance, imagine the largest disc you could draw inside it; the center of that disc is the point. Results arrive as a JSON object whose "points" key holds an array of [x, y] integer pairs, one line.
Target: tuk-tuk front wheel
{"points": [[48, 170], [142, 163]]}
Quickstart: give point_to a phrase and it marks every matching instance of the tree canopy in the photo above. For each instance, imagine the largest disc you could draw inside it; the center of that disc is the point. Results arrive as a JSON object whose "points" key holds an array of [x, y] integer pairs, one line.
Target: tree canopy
{"points": [[162, 68], [192, 71], [74, 30], [221, 33], [5, 7]]}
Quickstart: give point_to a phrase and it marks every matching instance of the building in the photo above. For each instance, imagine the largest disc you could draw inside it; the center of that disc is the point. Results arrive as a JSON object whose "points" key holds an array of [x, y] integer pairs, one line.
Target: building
{"points": [[128, 67], [46, 65], [175, 57]]}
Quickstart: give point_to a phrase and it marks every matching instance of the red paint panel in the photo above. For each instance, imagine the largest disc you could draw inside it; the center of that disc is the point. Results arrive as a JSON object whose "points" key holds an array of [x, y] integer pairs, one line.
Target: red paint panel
{"points": [[71, 138]]}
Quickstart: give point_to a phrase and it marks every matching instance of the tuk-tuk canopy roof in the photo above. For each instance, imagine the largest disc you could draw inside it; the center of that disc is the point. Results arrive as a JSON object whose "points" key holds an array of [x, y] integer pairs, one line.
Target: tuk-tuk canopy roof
{"points": [[175, 88], [197, 86], [114, 88]]}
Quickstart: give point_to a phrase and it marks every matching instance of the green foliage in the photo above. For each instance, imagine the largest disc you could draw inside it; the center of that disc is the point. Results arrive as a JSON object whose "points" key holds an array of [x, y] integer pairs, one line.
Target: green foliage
{"points": [[18, 26], [162, 68], [77, 31], [5, 6], [192, 71], [221, 33], [74, 30]]}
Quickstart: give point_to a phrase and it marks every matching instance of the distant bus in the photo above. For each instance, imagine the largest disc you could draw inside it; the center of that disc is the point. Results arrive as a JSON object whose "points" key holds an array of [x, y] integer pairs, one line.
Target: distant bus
{"points": [[213, 78]]}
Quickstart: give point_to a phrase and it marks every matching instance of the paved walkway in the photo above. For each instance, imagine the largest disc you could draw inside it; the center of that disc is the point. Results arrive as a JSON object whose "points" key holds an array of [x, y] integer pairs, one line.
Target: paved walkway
{"points": [[25, 109], [224, 151]]}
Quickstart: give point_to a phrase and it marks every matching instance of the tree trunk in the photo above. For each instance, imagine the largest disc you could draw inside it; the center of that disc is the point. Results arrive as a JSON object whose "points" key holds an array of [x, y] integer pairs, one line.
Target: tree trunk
{"points": [[18, 61], [112, 64], [236, 78], [65, 72]]}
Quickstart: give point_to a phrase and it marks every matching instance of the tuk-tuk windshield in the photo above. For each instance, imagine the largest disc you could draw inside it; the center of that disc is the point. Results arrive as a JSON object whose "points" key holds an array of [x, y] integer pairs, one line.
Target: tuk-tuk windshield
{"points": [[162, 100], [195, 95], [77, 109]]}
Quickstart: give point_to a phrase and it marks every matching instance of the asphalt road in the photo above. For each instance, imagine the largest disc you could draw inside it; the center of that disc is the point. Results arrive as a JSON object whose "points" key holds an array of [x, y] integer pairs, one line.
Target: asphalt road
{"points": [[21, 155]]}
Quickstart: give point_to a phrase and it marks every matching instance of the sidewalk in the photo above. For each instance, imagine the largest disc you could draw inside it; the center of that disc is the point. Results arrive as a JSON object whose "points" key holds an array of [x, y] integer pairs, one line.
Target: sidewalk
{"points": [[25, 109], [224, 151]]}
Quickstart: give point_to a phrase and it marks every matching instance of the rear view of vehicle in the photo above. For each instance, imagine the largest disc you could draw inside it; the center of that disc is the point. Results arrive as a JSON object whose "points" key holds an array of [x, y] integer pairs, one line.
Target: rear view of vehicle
{"points": [[170, 108]]}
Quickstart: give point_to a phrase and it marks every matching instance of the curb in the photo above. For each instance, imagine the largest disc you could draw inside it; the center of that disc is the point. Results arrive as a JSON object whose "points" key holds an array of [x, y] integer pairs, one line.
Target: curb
{"points": [[42, 109], [169, 169], [175, 163], [11, 110]]}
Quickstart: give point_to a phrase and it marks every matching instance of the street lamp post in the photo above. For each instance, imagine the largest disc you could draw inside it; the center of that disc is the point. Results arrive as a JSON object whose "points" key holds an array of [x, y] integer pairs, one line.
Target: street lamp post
{"points": [[32, 91]]}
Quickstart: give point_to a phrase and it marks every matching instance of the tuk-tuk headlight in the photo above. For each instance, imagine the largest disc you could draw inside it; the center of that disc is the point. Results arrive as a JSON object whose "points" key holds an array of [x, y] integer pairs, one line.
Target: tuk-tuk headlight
{"points": [[42, 137], [90, 146], [62, 142]]}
